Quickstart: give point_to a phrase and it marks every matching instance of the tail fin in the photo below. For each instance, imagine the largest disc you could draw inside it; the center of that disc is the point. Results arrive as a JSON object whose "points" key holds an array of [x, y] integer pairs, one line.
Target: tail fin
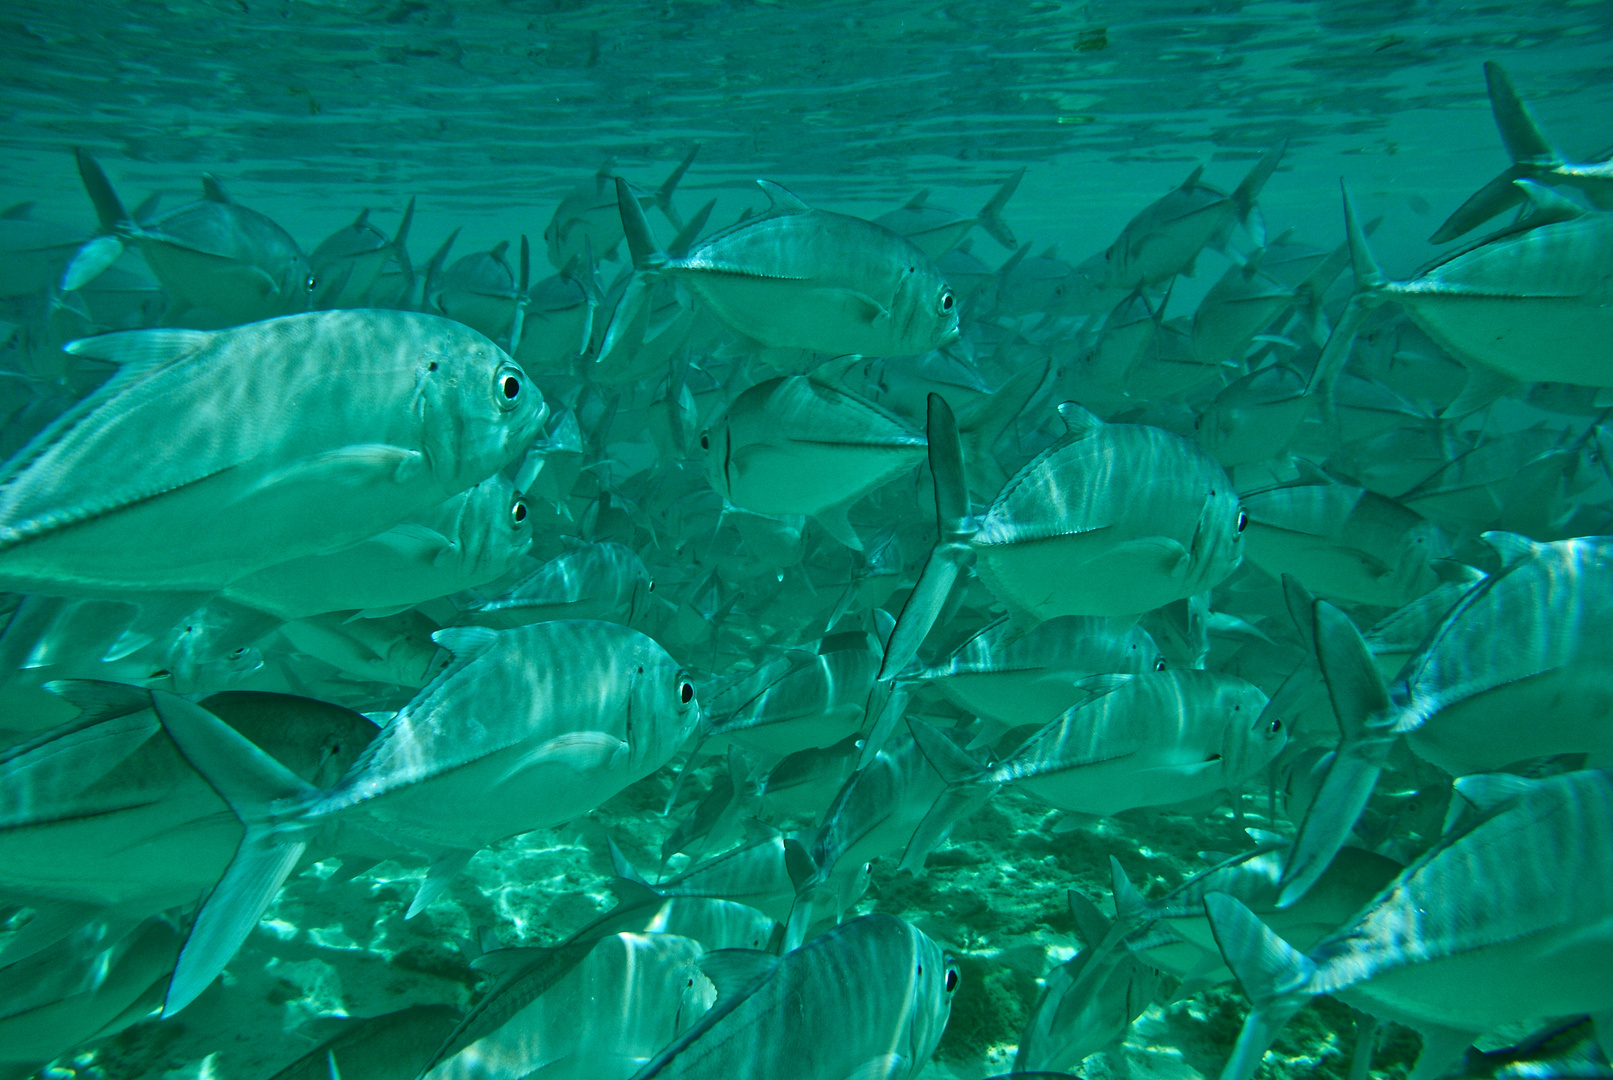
{"points": [[1362, 704], [523, 295], [1244, 195], [252, 783], [1530, 150], [990, 216], [108, 207], [940, 571], [434, 269], [101, 251], [984, 424], [1520, 132], [663, 194], [640, 242], [400, 244], [1272, 972], [1369, 294], [691, 231]]}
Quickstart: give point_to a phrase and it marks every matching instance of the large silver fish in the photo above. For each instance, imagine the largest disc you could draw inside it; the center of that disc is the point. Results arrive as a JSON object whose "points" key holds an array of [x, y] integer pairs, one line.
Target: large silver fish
{"points": [[801, 278], [214, 255], [1504, 920], [591, 581], [1112, 519], [525, 728], [867, 999], [340, 424], [1520, 645]]}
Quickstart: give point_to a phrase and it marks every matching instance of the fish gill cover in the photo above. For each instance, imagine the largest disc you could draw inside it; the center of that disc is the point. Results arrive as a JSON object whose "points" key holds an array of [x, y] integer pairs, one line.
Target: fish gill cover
{"points": [[805, 540]]}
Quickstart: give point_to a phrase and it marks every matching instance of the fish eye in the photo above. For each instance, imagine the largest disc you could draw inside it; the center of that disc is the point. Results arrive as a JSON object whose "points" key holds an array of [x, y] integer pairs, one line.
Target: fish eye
{"points": [[1159, 665], [1276, 726], [947, 300], [309, 283], [1243, 519], [686, 692], [652, 585], [951, 979], [507, 387], [518, 511], [705, 441]]}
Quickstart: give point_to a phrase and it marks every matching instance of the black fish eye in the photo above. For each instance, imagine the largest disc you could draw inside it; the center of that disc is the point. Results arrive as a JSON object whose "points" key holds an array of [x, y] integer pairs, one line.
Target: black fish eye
{"points": [[511, 387], [518, 511], [1243, 519], [686, 693], [1159, 665], [1276, 726], [705, 441], [946, 300], [952, 979]]}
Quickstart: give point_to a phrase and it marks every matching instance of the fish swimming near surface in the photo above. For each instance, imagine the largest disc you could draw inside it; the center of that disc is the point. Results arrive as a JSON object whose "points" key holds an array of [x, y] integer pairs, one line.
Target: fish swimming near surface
{"points": [[230, 263], [137, 488], [349, 264], [936, 231], [801, 278]]}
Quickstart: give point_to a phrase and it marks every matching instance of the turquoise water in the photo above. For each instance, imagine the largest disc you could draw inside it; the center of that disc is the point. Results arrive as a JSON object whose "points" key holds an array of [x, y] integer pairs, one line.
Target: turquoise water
{"points": [[482, 118]]}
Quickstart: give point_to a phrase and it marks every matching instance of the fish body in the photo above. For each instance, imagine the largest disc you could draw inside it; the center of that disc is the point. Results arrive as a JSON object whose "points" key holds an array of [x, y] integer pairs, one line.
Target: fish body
{"points": [[592, 581], [1343, 542], [1505, 920], [348, 265], [935, 230], [793, 445], [1160, 738], [479, 290], [213, 254], [601, 1014], [138, 488], [815, 700], [1112, 519], [869, 998], [588, 219], [471, 538], [811, 279], [104, 814], [525, 728]]}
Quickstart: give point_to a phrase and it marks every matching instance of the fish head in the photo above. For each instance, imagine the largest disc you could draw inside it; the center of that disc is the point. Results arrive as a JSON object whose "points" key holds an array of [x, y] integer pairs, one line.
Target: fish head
{"points": [[295, 284], [1254, 734], [717, 447], [495, 527], [663, 709], [477, 406], [936, 978], [925, 309]]}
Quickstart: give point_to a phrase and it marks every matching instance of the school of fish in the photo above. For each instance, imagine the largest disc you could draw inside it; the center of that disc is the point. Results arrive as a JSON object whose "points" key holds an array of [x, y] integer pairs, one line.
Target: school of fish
{"points": [[667, 633]]}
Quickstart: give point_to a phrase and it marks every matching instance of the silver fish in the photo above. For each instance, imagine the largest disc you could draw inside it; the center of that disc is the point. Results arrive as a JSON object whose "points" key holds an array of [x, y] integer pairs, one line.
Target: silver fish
{"points": [[869, 998], [213, 255], [425, 410], [1504, 920], [348, 265], [809, 279], [936, 231], [526, 728]]}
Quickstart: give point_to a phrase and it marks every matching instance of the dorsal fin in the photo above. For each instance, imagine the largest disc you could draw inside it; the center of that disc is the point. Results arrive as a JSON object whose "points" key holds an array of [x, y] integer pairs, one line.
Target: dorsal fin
{"points": [[18, 211], [1077, 420], [130, 348], [917, 201], [1193, 178], [212, 191], [781, 201], [736, 972], [362, 219], [1510, 546], [499, 249]]}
